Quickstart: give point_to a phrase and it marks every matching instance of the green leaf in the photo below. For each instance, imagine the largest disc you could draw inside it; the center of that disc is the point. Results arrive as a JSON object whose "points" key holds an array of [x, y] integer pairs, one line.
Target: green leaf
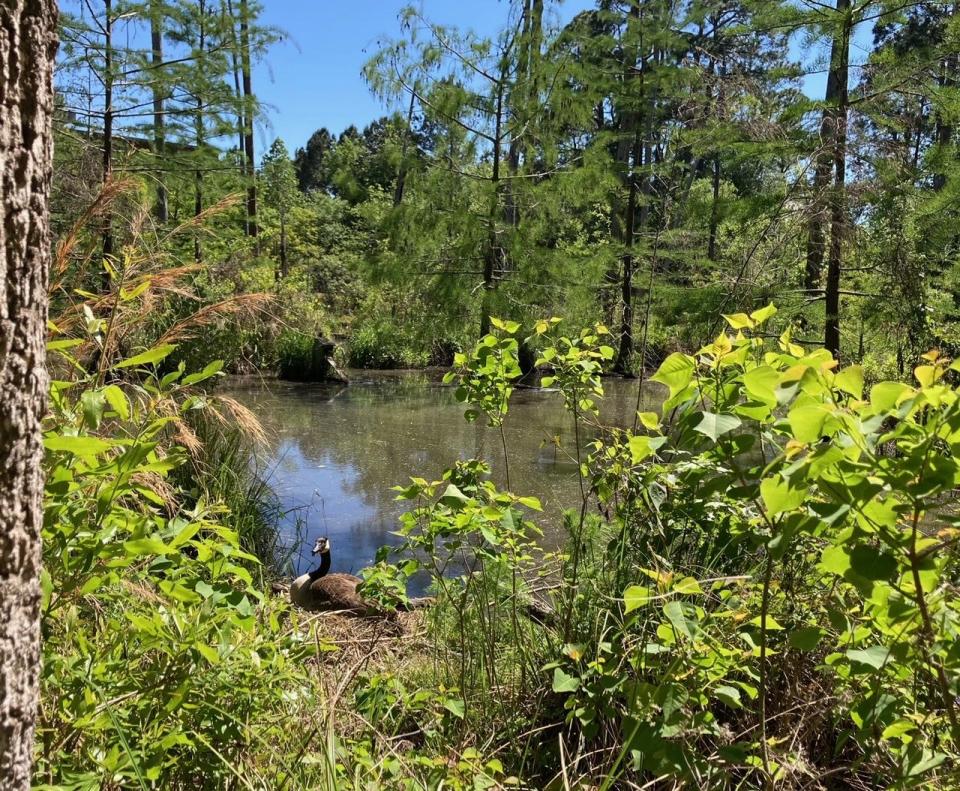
{"points": [[211, 370], [564, 683], [530, 502], [676, 372], [715, 426], [688, 586], [885, 395], [674, 612], [871, 563], [636, 596], [835, 560], [875, 656], [760, 383], [850, 380], [453, 497], [149, 357], [739, 321], [92, 402], [763, 314], [778, 496], [649, 420], [145, 546], [805, 638], [806, 422], [78, 446], [117, 400], [729, 695]]}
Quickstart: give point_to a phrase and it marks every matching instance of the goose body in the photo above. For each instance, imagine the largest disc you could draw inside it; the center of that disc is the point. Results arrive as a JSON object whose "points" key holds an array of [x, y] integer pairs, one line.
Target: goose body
{"points": [[319, 590]]}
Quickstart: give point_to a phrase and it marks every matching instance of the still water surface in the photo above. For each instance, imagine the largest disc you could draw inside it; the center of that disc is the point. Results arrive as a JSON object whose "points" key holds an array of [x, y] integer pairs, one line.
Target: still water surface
{"points": [[336, 450]]}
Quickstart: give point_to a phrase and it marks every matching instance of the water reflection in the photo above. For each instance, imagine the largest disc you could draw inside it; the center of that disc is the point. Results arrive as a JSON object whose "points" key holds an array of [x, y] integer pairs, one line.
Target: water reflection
{"points": [[336, 451]]}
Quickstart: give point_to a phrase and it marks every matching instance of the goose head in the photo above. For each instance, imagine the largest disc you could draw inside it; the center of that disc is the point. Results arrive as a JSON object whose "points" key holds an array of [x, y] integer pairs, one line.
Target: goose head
{"points": [[322, 546]]}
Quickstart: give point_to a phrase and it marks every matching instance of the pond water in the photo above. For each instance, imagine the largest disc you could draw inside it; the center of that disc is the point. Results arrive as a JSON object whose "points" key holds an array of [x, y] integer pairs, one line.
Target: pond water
{"points": [[336, 450]]}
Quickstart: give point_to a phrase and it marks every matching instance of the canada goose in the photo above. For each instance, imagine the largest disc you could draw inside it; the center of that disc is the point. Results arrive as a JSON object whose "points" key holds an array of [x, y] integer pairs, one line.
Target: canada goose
{"points": [[318, 590]]}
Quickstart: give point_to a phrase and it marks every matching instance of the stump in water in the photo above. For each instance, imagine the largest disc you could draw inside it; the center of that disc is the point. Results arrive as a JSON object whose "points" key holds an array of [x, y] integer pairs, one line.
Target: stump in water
{"points": [[313, 364]]}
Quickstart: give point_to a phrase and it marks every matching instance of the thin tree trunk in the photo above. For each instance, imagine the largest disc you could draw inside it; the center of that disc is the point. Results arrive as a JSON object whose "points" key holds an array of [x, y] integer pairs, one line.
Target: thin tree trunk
{"points": [[493, 259], [252, 227], [284, 266], [943, 131], [200, 134], [238, 93], [714, 211], [839, 72], [824, 160], [159, 141], [27, 53], [625, 352], [407, 134], [107, 124]]}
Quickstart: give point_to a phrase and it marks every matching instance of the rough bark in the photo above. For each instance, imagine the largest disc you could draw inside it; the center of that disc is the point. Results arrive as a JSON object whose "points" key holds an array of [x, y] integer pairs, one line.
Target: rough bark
{"points": [[27, 51]]}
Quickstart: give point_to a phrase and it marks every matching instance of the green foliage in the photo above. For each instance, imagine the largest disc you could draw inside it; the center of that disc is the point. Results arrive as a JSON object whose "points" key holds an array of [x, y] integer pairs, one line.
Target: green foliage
{"points": [[781, 539], [156, 641]]}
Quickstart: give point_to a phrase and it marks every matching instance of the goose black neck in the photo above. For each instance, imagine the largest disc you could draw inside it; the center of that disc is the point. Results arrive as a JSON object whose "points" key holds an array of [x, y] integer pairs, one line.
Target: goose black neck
{"points": [[323, 568]]}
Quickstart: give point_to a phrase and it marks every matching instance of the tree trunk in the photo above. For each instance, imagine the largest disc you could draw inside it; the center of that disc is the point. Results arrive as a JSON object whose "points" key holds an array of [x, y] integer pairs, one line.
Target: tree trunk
{"points": [[238, 93], [27, 52], [159, 137], [201, 139], [839, 75], [107, 125], [407, 135], [493, 259], [252, 228]]}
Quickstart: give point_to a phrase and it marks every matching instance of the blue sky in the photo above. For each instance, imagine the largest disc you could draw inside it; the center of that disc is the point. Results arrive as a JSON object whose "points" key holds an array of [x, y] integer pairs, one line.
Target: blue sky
{"points": [[314, 80]]}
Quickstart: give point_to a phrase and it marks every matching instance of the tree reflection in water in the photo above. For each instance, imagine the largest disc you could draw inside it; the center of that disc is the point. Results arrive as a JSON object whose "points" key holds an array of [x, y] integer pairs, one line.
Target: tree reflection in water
{"points": [[336, 451]]}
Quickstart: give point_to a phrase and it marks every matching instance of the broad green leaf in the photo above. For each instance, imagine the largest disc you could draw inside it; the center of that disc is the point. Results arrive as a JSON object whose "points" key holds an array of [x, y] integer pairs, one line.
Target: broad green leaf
{"points": [[92, 402], [835, 560], [875, 656], [649, 420], [872, 563], [729, 695], [715, 426], [739, 321], [117, 400], [805, 638], [850, 380], [674, 612], [763, 314], [884, 396], [806, 422], [688, 585], [636, 596], [676, 372], [453, 497], [149, 357], [211, 370], [778, 496], [761, 383], [532, 503], [563, 682], [455, 706]]}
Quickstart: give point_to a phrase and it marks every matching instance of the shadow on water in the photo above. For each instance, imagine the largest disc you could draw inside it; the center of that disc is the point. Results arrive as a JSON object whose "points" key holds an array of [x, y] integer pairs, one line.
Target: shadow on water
{"points": [[336, 451]]}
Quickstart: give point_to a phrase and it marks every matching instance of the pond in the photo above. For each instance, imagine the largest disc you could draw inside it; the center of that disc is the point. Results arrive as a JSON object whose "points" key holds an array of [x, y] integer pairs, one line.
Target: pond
{"points": [[335, 452]]}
